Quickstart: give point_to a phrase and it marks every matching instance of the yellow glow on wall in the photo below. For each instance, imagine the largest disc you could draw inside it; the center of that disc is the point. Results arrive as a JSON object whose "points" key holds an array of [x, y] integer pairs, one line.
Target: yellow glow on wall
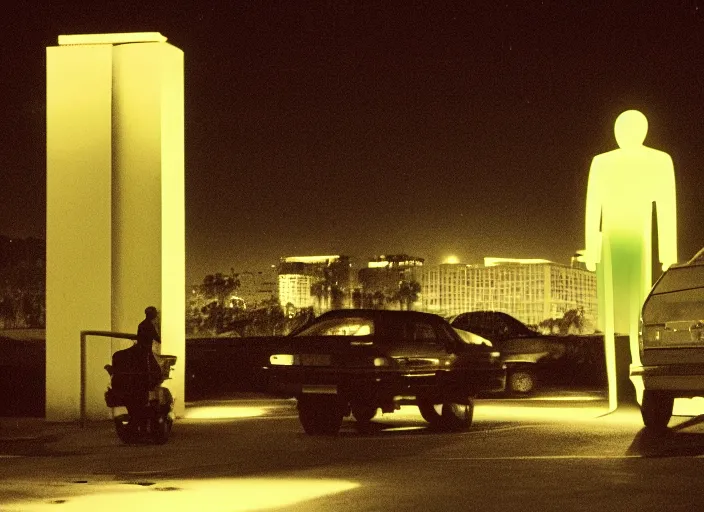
{"points": [[623, 185], [79, 193]]}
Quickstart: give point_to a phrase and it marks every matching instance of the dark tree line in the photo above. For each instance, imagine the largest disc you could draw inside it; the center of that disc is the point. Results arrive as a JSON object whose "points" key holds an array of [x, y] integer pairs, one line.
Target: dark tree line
{"points": [[572, 322], [212, 309], [404, 295], [22, 283]]}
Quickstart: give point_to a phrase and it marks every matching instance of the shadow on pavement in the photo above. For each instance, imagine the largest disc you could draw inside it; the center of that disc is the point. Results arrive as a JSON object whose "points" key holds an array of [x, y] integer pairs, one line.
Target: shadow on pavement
{"points": [[672, 442]]}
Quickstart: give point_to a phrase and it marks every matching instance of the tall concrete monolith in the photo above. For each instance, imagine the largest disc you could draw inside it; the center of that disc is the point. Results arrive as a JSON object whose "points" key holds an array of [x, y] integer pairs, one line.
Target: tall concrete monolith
{"points": [[115, 207]]}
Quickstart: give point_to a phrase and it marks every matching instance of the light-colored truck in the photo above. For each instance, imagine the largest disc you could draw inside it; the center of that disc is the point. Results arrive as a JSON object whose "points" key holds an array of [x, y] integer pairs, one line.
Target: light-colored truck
{"points": [[672, 341]]}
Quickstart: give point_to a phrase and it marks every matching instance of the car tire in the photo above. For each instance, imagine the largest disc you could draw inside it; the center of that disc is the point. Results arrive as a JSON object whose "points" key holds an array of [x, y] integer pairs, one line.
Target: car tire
{"points": [[521, 381], [364, 413], [457, 417], [432, 413], [320, 415], [656, 409]]}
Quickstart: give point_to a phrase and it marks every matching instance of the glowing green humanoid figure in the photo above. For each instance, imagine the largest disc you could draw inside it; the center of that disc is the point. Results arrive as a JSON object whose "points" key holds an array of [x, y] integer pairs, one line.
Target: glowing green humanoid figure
{"points": [[623, 185]]}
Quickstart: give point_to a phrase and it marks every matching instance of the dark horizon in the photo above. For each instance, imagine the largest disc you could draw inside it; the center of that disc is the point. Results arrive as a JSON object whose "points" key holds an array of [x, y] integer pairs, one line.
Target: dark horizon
{"points": [[362, 129]]}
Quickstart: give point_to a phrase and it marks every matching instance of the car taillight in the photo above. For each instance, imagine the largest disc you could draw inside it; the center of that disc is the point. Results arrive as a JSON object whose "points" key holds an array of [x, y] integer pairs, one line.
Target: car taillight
{"points": [[649, 335]]}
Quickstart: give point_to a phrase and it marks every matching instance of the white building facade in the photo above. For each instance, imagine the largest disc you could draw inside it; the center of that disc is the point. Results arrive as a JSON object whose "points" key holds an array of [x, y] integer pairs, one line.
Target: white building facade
{"points": [[530, 290], [294, 290]]}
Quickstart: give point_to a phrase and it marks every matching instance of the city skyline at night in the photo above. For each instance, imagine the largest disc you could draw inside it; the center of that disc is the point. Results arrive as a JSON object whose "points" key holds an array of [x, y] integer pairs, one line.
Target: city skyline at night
{"points": [[364, 129]]}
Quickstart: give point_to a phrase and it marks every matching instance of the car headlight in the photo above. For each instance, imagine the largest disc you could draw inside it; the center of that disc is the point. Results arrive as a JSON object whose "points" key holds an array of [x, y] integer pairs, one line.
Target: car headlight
{"points": [[282, 359], [381, 361]]}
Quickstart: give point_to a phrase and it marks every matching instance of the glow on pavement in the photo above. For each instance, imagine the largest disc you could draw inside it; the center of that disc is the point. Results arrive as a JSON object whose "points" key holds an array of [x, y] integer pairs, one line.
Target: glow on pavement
{"points": [[230, 495], [219, 412]]}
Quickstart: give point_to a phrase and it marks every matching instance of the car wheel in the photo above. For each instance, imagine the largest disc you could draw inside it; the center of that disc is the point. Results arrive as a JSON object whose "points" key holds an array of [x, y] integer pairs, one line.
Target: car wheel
{"points": [[521, 381], [320, 415], [363, 413], [656, 409], [457, 417], [432, 413]]}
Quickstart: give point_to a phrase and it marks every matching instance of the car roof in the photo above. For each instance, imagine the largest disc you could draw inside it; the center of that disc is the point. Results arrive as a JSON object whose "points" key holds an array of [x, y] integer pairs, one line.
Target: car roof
{"points": [[484, 313], [381, 314]]}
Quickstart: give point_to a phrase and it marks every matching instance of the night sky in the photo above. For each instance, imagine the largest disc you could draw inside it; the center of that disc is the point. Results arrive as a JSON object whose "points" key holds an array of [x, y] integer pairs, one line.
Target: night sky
{"points": [[366, 128]]}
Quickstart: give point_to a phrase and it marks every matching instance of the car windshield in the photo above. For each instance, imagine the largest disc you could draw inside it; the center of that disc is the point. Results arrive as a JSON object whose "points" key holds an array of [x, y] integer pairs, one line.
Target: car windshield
{"points": [[680, 278], [340, 327], [471, 338]]}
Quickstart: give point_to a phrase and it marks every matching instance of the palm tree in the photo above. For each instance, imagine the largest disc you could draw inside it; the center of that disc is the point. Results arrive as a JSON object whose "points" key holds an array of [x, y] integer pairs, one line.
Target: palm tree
{"points": [[357, 298], [337, 297], [320, 291], [572, 321], [407, 294], [220, 287], [378, 299]]}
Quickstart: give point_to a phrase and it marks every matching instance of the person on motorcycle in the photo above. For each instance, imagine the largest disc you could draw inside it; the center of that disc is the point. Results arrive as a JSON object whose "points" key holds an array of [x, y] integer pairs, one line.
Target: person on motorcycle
{"points": [[136, 370], [148, 330]]}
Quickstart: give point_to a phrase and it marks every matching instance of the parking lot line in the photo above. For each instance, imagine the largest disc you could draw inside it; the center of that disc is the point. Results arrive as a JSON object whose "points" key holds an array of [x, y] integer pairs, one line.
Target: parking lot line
{"points": [[544, 457]]}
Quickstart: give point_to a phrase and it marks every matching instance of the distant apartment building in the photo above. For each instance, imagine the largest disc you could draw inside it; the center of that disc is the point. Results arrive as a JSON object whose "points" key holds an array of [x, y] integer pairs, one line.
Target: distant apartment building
{"points": [[257, 287], [530, 290], [447, 288], [294, 292], [329, 281]]}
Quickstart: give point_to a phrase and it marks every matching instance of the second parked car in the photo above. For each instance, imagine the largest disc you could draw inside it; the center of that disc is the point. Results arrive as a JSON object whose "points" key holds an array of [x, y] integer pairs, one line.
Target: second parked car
{"points": [[531, 356]]}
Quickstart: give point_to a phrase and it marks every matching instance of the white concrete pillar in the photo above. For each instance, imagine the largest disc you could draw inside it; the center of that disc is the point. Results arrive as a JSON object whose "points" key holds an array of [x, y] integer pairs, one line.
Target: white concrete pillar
{"points": [[115, 206]]}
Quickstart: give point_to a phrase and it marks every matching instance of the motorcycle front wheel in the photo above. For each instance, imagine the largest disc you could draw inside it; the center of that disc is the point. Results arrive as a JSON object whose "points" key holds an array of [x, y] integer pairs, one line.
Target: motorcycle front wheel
{"points": [[161, 429]]}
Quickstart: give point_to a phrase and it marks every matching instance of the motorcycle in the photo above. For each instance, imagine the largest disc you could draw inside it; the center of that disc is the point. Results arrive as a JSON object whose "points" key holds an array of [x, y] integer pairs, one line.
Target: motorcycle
{"points": [[135, 384]]}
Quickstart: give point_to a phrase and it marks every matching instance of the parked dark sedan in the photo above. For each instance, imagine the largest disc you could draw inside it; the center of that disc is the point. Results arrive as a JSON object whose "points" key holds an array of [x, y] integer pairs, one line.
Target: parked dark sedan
{"points": [[358, 361], [530, 355]]}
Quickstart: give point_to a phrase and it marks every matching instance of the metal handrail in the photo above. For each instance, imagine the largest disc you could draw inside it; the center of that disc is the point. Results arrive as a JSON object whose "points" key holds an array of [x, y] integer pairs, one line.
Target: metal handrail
{"points": [[84, 335]]}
